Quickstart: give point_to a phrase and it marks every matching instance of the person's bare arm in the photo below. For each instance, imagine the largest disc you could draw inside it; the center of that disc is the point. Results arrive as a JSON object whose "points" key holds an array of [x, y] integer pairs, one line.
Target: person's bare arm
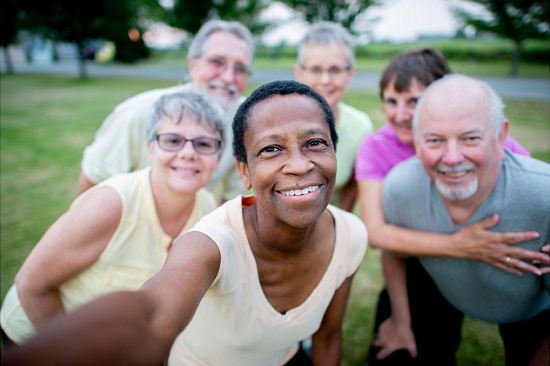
{"points": [[70, 246], [84, 183], [473, 242], [133, 327], [327, 341], [396, 331]]}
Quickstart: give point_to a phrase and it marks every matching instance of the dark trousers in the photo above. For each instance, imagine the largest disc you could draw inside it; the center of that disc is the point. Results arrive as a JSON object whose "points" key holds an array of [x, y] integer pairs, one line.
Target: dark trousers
{"points": [[521, 339], [436, 324]]}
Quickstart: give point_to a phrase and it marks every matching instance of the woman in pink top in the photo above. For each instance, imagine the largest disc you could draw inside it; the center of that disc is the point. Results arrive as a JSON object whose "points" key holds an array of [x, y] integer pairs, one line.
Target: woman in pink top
{"points": [[436, 324]]}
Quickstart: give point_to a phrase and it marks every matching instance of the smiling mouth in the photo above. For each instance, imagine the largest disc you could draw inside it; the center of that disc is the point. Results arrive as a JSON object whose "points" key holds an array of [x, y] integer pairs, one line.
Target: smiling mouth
{"points": [[403, 126], [300, 192], [455, 173], [223, 91], [186, 170]]}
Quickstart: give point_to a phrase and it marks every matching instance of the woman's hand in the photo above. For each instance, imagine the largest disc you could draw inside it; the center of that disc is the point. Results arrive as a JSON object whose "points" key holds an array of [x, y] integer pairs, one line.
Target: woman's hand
{"points": [[476, 242], [393, 336]]}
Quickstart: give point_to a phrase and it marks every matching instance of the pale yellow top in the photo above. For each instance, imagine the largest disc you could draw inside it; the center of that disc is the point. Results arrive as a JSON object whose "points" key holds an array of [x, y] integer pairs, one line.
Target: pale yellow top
{"points": [[119, 145], [235, 324], [136, 251]]}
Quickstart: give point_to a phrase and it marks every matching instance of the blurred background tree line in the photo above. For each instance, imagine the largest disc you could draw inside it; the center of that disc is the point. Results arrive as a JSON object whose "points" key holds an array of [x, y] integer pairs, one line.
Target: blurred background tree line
{"points": [[122, 22]]}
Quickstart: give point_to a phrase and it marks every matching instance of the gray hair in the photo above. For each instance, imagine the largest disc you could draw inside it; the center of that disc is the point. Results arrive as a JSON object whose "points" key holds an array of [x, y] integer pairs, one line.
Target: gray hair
{"points": [[494, 102], [196, 48], [325, 33], [174, 107]]}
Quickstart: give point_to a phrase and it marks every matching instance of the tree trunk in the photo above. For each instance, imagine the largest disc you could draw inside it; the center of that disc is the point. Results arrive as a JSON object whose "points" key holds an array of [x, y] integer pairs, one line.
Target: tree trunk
{"points": [[516, 58], [7, 58], [82, 71]]}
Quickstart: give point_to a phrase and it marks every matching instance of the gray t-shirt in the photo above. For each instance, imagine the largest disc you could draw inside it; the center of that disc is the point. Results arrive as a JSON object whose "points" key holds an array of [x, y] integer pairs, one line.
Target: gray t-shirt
{"points": [[522, 200]]}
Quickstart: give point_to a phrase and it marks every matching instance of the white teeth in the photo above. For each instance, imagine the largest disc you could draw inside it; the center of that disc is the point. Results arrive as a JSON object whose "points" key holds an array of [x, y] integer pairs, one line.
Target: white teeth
{"points": [[456, 174], [300, 192], [224, 91], [455, 171]]}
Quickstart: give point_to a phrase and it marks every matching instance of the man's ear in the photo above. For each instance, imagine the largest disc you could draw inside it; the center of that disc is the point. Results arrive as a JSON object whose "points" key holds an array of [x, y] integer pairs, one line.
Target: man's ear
{"points": [[504, 131], [503, 134], [243, 170]]}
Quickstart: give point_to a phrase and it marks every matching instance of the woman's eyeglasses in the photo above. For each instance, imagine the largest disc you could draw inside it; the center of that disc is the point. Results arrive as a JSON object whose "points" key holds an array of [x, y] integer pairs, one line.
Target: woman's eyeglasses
{"points": [[173, 142], [334, 72]]}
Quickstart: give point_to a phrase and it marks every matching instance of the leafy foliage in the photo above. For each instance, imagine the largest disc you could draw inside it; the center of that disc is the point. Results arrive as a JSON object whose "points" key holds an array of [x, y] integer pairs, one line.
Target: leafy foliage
{"points": [[8, 22], [517, 20], [191, 15], [344, 12], [9, 26], [77, 22]]}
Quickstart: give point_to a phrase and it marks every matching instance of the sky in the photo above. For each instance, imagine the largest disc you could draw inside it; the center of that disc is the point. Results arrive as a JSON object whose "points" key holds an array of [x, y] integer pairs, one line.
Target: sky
{"points": [[400, 20]]}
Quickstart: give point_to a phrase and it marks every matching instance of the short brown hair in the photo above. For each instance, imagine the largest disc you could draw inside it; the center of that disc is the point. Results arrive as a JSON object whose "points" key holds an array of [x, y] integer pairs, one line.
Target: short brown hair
{"points": [[426, 65]]}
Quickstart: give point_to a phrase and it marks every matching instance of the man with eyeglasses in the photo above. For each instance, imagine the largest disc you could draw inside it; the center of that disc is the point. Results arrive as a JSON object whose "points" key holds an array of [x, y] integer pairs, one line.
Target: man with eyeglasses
{"points": [[219, 59], [326, 63]]}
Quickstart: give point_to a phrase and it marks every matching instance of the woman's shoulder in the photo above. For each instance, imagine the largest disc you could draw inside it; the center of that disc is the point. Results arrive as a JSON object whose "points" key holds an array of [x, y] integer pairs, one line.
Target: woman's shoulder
{"points": [[355, 119], [224, 224], [347, 222], [351, 238]]}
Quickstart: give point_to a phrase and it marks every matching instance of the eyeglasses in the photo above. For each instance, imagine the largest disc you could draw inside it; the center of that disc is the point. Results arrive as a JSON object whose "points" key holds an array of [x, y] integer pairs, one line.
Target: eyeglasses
{"points": [[334, 72], [221, 64], [173, 142]]}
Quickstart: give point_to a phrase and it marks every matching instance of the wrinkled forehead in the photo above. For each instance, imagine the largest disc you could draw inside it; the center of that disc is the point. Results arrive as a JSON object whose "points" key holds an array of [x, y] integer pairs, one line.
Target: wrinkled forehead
{"points": [[187, 119], [293, 104], [457, 106], [225, 44], [277, 110], [455, 94]]}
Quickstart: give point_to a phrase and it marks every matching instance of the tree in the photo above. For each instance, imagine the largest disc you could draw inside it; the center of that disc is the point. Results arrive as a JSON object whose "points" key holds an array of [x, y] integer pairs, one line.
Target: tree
{"points": [[9, 27], [344, 12], [517, 20], [78, 22], [191, 15]]}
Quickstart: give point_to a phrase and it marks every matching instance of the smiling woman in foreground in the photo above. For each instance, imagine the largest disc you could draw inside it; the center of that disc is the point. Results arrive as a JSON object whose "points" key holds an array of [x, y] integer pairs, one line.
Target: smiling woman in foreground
{"points": [[251, 279]]}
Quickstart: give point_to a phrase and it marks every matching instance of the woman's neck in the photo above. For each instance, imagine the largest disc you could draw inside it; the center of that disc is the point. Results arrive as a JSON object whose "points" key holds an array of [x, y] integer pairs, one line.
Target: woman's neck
{"points": [[173, 208]]}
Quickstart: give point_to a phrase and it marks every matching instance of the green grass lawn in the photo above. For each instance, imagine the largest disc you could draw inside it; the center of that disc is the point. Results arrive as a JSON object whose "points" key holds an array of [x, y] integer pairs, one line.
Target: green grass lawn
{"points": [[46, 121]]}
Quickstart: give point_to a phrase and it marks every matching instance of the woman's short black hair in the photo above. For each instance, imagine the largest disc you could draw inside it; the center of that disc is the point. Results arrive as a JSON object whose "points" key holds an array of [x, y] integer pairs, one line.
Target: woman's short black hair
{"points": [[269, 90]]}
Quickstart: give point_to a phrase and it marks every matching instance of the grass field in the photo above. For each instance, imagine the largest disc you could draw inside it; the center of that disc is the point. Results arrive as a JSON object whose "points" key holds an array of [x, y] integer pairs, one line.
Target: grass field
{"points": [[46, 121]]}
